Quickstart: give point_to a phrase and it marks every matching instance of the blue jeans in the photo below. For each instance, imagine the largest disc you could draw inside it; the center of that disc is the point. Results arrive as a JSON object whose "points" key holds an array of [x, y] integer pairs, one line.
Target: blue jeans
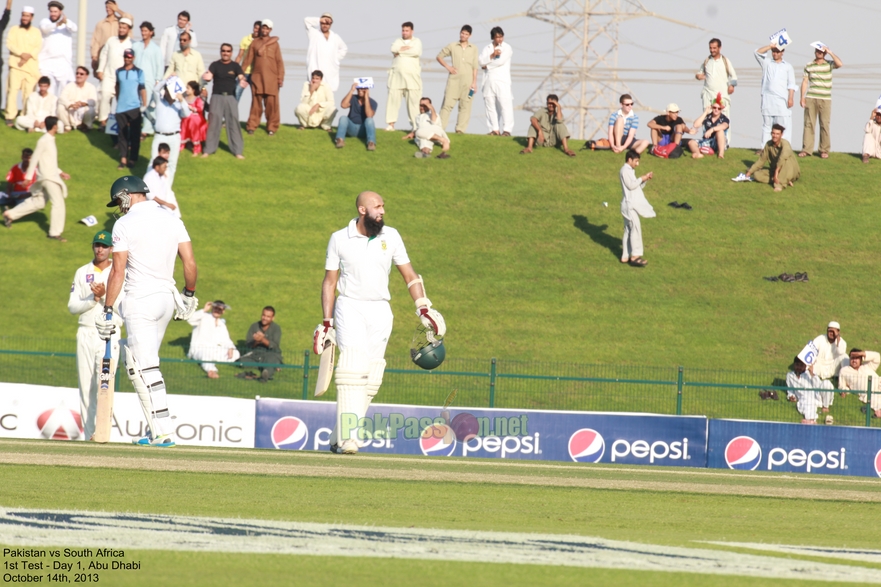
{"points": [[347, 128], [240, 90]]}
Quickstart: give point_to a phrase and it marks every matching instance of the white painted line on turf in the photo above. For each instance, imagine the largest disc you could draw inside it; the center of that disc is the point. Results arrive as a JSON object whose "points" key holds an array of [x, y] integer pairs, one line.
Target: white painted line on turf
{"points": [[44, 528], [855, 554]]}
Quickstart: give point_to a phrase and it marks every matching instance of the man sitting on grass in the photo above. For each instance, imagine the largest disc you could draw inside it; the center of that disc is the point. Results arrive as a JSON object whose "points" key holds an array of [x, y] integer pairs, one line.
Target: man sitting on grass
{"points": [[855, 377], [783, 164], [17, 187], [547, 128], [428, 131], [667, 128], [801, 381]]}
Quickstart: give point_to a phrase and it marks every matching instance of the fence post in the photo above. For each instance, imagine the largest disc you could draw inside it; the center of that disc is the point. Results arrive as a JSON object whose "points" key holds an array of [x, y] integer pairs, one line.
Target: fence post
{"points": [[679, 393], [306, 374], [492, 383], [869, 403]]}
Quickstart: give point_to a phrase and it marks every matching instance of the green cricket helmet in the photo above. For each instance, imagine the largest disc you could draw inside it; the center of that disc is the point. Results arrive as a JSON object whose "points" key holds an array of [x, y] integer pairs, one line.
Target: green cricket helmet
{"points": [[427, 351], [121, 190]]}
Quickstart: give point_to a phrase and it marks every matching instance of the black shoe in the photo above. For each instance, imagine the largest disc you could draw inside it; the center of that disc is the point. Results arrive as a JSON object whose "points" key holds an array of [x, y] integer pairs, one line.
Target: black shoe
{"points": [[685, 205], [673, 204], [772, 278], [786, 277]]}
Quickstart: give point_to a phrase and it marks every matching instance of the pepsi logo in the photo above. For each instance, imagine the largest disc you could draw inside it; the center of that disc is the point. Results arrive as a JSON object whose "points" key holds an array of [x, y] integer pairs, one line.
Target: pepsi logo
{"points": [[289, 433], [438, 440], [878, 463], [587, 446], [60, 423], [743, 453]]}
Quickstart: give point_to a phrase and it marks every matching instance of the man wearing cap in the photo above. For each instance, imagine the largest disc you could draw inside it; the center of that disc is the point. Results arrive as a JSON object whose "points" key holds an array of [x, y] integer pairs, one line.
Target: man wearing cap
{"points": [[816, 98], [667, 128], [228, 77], [778, 91], [405, 77], [326, 50], [359, 121], [171, 109], [171, 37], [831, 357], [76, 106], [87, 301], [24, 43], [109, 60], [56, 56], [783, 164], [855, 377], [187, 63], [210, 341], [148, 57], [872, 137], [131, 101], [105, 29], [267, 76], [718, 76], [49, 185]]}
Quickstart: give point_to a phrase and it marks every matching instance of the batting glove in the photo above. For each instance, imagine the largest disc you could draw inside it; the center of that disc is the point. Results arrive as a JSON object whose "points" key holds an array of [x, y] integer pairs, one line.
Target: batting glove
{"points": [[190, 302], [432, 320], [324, 333], [104, 323]]}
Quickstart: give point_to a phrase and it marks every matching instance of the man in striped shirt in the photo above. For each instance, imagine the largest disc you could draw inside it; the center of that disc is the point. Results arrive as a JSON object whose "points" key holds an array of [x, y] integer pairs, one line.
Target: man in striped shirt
{"points": [[622, 128], [816, 98]]}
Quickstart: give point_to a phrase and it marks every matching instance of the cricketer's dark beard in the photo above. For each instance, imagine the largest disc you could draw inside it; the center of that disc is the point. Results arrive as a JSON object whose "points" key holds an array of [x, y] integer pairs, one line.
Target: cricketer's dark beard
{"points": [[372, 226]]}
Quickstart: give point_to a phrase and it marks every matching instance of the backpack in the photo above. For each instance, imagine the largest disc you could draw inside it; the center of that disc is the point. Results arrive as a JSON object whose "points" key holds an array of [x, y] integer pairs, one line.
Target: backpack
{"points": [[669, 151]]}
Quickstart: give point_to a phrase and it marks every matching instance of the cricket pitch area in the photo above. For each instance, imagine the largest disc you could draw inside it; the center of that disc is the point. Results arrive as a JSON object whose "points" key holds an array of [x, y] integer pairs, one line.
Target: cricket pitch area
{"points": [[125, 515]]}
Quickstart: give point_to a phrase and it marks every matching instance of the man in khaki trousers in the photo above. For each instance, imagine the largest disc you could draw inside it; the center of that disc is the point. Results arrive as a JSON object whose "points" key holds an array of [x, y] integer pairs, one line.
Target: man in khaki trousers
{"points": [[49, 185], [462, 82], [24, 43]]}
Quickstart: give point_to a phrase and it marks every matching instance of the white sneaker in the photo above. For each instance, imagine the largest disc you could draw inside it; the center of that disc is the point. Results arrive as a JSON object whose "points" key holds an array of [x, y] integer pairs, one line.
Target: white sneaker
{"points": [[348, 447], [164, 441], [741, 177]]}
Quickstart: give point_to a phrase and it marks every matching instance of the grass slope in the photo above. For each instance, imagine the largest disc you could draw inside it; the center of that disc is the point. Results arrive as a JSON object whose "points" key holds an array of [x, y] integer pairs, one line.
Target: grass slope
{"points": [[519, 253]]}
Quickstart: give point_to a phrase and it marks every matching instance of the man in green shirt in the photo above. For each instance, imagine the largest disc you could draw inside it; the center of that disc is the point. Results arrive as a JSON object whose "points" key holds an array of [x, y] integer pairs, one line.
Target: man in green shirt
{"points": [[264, 340], [547, 128], [816, 98], [783, 169]]}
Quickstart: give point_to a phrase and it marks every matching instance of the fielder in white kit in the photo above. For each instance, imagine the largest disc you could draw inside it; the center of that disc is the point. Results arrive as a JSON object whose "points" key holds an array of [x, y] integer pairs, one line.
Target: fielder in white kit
{"points": [[359, 320], [146, 240], [87, 300]]}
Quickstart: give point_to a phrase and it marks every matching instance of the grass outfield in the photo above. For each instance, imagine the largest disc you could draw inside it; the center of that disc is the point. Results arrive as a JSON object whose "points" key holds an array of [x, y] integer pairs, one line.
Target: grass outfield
{"points": [[651, 506], [519, 253]]}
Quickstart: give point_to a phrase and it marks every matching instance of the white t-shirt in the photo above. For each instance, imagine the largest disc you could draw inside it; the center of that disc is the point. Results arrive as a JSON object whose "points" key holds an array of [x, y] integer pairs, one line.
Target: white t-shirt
{"points": [[150, 236], [364, 263], [159, 188]]}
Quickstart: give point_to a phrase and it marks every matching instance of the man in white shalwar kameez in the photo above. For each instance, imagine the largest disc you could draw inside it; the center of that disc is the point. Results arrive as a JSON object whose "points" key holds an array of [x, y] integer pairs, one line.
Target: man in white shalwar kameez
{"points": [[831, 357], [211, 341], [633, 205], [405, 77], [56, 56], [326, 50]]}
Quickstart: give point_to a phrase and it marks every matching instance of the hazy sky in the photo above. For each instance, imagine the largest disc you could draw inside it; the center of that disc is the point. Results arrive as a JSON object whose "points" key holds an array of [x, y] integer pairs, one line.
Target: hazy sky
{"points": [[656, 59]]}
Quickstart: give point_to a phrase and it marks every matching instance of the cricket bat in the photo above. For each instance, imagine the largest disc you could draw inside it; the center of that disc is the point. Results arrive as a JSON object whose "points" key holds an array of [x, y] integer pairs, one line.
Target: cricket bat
{"points": [[325, 368], [104, 416]]}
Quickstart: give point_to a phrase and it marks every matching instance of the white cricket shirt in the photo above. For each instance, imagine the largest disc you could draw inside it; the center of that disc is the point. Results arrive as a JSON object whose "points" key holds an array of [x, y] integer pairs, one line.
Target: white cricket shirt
{"points": [[150, 236], [364, 263], [82, 300]]}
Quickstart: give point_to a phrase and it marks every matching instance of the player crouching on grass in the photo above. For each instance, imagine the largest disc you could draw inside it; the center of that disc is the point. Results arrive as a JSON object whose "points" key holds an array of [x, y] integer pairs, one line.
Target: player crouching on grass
{"points": [[146, 240]]}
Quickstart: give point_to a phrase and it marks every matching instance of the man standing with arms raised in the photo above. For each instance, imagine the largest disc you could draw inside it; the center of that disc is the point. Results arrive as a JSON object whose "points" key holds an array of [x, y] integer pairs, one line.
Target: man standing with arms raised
{"points": [[146, 240], [56, 56], [359, 258], [326, 50]]}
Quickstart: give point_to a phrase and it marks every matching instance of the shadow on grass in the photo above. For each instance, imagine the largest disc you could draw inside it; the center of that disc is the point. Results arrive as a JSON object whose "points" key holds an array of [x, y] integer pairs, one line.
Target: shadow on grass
{"points": [[40, 218], [182, 342], [598, 234], [747, 162]]}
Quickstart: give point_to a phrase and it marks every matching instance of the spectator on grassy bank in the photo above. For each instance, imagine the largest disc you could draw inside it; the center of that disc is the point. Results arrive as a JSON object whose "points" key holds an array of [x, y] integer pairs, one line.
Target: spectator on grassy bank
{"points": [[800, 381], [622, 128], [76, 106], [778, 91], [783, 164], [495, 61], [264, 340], [17, 187], [462, 82], [228, 78], [267, 77], [210, 342], [718, 76], [316, 108], [816, 99], [359, 122], [667, 128], [326, 49], [546, 127], [855, 377], [633, 205], [428, 131], [831, 357], [872, 137], [40, 105], [405, 77], [710, 127], [170, 111], [160, 191], [194, 128]]}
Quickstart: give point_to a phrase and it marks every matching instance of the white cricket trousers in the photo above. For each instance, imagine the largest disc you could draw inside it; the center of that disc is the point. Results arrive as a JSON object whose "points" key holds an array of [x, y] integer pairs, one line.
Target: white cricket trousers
{"points": [[146, 318], [497, 98], [632, 241], [363, 326], [89, 353]]}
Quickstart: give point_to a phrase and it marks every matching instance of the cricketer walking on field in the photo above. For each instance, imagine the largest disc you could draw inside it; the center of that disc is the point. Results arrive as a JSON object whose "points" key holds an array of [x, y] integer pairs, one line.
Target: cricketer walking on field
{"points": [[146, 240], [359, 321], [87, 300]]}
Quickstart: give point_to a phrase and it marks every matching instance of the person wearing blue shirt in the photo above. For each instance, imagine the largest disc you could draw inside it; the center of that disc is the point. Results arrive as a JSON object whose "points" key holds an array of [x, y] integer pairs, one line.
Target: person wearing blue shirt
{"points": [[131, 101], [170, 110], [778, 91], [148, 57]]}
